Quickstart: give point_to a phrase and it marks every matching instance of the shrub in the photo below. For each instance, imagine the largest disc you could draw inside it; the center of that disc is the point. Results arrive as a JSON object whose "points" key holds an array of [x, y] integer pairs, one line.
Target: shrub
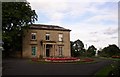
{"points": [[40, 57], [116, 71], [34, 59], [115, 56], [87, 60]]}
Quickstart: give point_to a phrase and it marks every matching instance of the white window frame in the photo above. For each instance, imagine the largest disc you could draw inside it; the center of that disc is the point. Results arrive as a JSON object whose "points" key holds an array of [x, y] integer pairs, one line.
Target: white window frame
{"points": [[33, 36], [60, 37], [47, 36]]}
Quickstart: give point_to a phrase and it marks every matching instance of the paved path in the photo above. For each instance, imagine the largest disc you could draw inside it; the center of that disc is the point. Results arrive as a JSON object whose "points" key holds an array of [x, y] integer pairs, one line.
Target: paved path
{"points": [[23, 67]]}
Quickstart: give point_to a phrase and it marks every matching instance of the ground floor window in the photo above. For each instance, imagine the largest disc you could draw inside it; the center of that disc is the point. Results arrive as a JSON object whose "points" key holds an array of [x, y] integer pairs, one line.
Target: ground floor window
{"points": [[60, 51], [34, 49]]}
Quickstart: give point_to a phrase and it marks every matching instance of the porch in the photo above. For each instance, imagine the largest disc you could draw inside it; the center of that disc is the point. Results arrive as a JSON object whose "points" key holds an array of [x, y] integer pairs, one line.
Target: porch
{"points": [[51, 49]]}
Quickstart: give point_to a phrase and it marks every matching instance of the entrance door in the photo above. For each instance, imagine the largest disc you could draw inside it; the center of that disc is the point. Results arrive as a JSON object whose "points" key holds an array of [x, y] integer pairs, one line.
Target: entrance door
{"points": [[48, 48], [47, 52]]}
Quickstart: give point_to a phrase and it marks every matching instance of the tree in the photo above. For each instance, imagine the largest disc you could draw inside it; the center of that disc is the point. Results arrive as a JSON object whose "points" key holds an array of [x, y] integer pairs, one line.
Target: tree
{"points": [[77, 47], [91, 50], [110, 51], [15, 17], [72, 49], [79, 44]]}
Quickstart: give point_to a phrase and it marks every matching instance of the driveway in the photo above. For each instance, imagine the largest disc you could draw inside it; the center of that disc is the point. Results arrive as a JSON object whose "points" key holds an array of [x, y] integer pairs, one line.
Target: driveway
{"points": [[24, 67]]}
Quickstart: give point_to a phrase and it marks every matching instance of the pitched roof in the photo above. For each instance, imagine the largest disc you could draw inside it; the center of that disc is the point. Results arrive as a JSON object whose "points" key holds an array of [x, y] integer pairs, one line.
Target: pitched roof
{"points": [[48, 27]]}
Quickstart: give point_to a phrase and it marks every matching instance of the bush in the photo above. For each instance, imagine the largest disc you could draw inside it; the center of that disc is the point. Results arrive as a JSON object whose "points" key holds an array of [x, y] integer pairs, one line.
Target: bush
{"points": [[115, 56], [110, 51], [115, 72], [40, 57], [34, 59], [87, 60]]}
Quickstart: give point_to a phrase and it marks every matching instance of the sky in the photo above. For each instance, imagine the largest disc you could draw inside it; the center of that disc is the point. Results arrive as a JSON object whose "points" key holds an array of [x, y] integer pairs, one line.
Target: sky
{"points": [[94, 22]]}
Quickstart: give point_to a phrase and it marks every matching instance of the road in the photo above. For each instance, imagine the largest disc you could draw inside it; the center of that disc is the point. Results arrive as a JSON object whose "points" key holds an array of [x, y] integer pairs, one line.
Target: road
{"points": [[24, 67]]}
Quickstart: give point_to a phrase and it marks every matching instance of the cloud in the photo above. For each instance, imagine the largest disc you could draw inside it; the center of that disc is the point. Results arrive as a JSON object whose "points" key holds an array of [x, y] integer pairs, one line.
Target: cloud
{"points": [[97, 34], [93, 40], [114, 37], [94, 22], [102, 19], [111, 31], [74, 0], [57, 10]]}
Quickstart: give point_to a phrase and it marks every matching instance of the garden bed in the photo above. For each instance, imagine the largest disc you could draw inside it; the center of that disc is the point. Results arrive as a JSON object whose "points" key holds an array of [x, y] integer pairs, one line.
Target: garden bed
{"points": [[62, 59], [35, 59], [116, 57], [87, 60]]}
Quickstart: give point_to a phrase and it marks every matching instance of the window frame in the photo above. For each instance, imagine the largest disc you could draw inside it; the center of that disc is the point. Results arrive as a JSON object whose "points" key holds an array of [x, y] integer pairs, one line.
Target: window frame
{"points": [[33, 50], [33, 36], [60, 50], [60, 37], [47, 36]]}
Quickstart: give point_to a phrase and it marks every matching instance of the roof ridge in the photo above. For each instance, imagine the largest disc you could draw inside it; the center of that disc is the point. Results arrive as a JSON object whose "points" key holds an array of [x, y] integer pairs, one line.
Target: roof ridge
{"points": [[44, 25], [50, 27]]}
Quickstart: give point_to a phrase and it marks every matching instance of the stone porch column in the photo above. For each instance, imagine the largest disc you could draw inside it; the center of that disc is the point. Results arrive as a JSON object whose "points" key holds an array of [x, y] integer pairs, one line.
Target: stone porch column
{"points": [[45, 51], [54, 50]]}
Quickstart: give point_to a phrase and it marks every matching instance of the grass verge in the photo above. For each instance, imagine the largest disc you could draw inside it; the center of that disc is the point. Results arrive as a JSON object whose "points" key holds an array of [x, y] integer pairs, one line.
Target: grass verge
{"points": [[104, 72]]}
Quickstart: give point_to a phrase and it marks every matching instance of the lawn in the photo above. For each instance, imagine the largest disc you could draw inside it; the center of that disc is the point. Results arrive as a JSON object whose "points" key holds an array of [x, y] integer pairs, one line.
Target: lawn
{"points": [[104, 71], [107, 70]]}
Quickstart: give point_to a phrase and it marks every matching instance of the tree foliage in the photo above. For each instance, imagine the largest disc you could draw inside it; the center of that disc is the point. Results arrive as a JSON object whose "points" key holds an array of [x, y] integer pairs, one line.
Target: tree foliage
{"points": [[110, 51], [91, 50], [77, 48], [15, 17], [72, 49], [79, 44]]}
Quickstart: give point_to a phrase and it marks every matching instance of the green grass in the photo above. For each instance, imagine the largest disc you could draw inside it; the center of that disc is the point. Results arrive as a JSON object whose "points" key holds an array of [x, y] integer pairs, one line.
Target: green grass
{"points": [[37, 62], [104, 72], [115, 59], [109, 58]]}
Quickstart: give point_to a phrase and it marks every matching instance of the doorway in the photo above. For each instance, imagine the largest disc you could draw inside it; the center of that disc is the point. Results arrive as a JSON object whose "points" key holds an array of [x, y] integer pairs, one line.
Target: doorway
{"points": [[47, 52], [48, 48]]}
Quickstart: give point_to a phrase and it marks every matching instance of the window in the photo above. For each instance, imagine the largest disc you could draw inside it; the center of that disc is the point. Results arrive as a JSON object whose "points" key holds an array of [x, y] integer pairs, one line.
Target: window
{"points": [[33, 36], [60, 51], [60, 37], [34, 49], [47, 36]]}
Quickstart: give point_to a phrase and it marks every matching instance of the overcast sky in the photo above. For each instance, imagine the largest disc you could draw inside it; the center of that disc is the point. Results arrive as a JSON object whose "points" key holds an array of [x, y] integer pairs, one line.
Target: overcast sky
{"points": [[95, 22]]}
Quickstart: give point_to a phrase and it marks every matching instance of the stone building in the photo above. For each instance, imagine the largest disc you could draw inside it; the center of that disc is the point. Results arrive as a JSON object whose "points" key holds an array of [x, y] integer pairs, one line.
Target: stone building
{"points": [[46, 41]]}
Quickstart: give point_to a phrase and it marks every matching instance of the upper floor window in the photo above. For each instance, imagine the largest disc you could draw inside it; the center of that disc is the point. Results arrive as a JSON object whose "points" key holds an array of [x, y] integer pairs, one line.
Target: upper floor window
{"points": [[47, 36], [60, 37], [33, 36]]}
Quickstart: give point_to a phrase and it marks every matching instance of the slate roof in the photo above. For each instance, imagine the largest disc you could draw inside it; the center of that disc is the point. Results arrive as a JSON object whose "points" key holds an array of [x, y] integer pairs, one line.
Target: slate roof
{"points": [[48, 27]]}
